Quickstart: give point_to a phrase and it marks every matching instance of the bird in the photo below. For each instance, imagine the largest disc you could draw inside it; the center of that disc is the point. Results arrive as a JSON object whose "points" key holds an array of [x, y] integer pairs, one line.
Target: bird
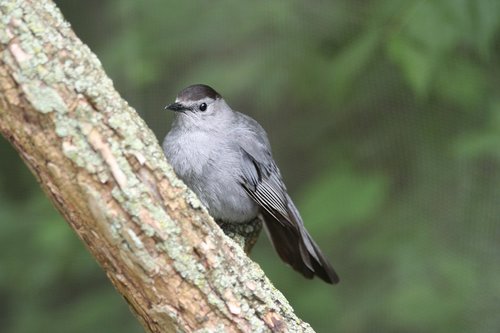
{"points": [[225, 157]]}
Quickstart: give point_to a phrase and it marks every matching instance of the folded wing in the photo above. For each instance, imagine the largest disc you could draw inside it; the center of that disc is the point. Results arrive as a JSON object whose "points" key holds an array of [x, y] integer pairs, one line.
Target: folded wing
{"points": [[262, 181]]}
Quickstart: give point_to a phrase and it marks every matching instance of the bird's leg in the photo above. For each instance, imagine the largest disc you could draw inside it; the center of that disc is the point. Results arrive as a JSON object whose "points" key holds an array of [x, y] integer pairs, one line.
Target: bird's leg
{"points": [[245, 234]]}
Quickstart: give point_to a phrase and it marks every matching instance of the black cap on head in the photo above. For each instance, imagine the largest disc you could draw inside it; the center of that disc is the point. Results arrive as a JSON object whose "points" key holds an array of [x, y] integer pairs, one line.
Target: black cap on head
{"points": [[197, 92]]}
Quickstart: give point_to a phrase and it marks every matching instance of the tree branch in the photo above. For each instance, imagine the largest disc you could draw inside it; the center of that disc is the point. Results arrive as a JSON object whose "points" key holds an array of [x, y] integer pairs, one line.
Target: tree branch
{"points": [[105, 172]]}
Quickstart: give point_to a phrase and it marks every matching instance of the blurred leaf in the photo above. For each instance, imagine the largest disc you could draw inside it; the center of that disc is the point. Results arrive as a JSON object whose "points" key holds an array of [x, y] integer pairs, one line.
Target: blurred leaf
{"points": [[416, 63], [342, 198], [422, 41], [477, 145], [462, 83], [347, 66], [484, 142], [486, 25]]}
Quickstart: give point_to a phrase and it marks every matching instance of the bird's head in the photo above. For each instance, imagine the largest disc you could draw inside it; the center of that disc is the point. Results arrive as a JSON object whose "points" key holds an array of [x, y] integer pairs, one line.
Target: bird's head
{"points": [[199, 105]]}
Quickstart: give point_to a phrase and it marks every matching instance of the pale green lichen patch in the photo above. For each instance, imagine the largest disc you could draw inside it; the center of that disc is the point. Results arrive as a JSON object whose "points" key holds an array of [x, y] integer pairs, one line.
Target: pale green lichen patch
{"points": [[116, 227], [174, 180], [45, 99], [76, 147], [117, 194], [183, 262], [217, 302], [120, 121], [147, 229], [86, 116], [193, 200], [4, 36], [260, 327], [91, 161], [170, 227]]}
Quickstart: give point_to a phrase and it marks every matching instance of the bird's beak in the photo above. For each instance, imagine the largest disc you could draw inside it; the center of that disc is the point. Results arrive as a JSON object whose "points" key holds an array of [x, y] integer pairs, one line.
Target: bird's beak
{"points": [[178, 107]]}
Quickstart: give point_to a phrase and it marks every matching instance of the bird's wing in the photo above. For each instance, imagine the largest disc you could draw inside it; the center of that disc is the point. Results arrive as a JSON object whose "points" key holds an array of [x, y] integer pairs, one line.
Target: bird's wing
{"points": [[262, 181], [260, 176]]}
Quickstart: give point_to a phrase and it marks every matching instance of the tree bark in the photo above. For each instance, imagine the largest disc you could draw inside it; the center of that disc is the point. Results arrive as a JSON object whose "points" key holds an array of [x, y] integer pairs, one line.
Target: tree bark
{"points": [[104, 171]]}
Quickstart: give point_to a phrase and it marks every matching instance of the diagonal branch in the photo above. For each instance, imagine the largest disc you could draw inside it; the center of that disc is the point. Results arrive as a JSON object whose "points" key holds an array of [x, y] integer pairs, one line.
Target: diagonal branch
{"points": [[105, 172]]}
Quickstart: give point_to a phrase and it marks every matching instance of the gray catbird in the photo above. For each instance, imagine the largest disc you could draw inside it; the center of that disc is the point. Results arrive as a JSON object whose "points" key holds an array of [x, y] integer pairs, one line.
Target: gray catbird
{"points": [[224, 156]]}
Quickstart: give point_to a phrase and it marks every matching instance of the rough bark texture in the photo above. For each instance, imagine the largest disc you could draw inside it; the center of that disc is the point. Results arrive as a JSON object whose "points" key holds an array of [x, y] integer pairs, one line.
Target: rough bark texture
{"points": [[105, 172]]}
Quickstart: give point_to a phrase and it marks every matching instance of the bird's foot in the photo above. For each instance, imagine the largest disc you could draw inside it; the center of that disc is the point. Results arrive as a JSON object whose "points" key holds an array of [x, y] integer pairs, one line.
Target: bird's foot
{"points": [[245, 234]]}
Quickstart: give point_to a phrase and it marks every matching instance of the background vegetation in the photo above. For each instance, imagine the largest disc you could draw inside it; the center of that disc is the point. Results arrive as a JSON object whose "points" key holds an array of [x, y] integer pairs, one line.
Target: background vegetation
{"points": [[384, 117]]}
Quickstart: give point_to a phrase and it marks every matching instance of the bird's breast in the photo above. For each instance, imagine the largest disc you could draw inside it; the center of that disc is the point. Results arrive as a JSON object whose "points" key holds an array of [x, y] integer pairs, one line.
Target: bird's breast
{"points": [[211, 168], [187, 153]]}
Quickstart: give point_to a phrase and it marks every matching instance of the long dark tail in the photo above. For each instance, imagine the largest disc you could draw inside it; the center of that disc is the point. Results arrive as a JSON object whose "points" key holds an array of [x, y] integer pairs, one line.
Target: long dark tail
{"points": [[296, 247]]}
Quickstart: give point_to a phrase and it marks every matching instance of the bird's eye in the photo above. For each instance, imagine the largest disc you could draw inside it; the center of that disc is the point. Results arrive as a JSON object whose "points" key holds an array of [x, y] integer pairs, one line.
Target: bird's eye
{"points": [[203, 106]]}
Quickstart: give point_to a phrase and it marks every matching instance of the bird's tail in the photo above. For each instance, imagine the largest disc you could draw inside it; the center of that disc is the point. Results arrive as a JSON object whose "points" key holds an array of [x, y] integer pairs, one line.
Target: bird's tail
{"points": [[296, 247]]}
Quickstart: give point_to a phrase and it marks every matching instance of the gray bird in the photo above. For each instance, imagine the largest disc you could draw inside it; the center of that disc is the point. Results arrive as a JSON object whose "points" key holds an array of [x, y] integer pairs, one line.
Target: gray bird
{"points": [[224, 156]]}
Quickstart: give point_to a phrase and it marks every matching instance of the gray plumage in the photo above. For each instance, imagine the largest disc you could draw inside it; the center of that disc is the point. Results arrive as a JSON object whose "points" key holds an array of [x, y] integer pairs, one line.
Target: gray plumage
{"points": [[225, 157]]}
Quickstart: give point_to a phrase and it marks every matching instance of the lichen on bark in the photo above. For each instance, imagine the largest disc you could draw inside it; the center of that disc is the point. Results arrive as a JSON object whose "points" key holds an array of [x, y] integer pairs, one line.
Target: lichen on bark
{"points": [[105, 172]]}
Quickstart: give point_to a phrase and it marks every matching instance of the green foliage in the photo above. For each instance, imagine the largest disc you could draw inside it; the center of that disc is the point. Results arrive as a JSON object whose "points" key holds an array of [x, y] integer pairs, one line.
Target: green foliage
{"points": [[384, 117], [351, 198]]}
